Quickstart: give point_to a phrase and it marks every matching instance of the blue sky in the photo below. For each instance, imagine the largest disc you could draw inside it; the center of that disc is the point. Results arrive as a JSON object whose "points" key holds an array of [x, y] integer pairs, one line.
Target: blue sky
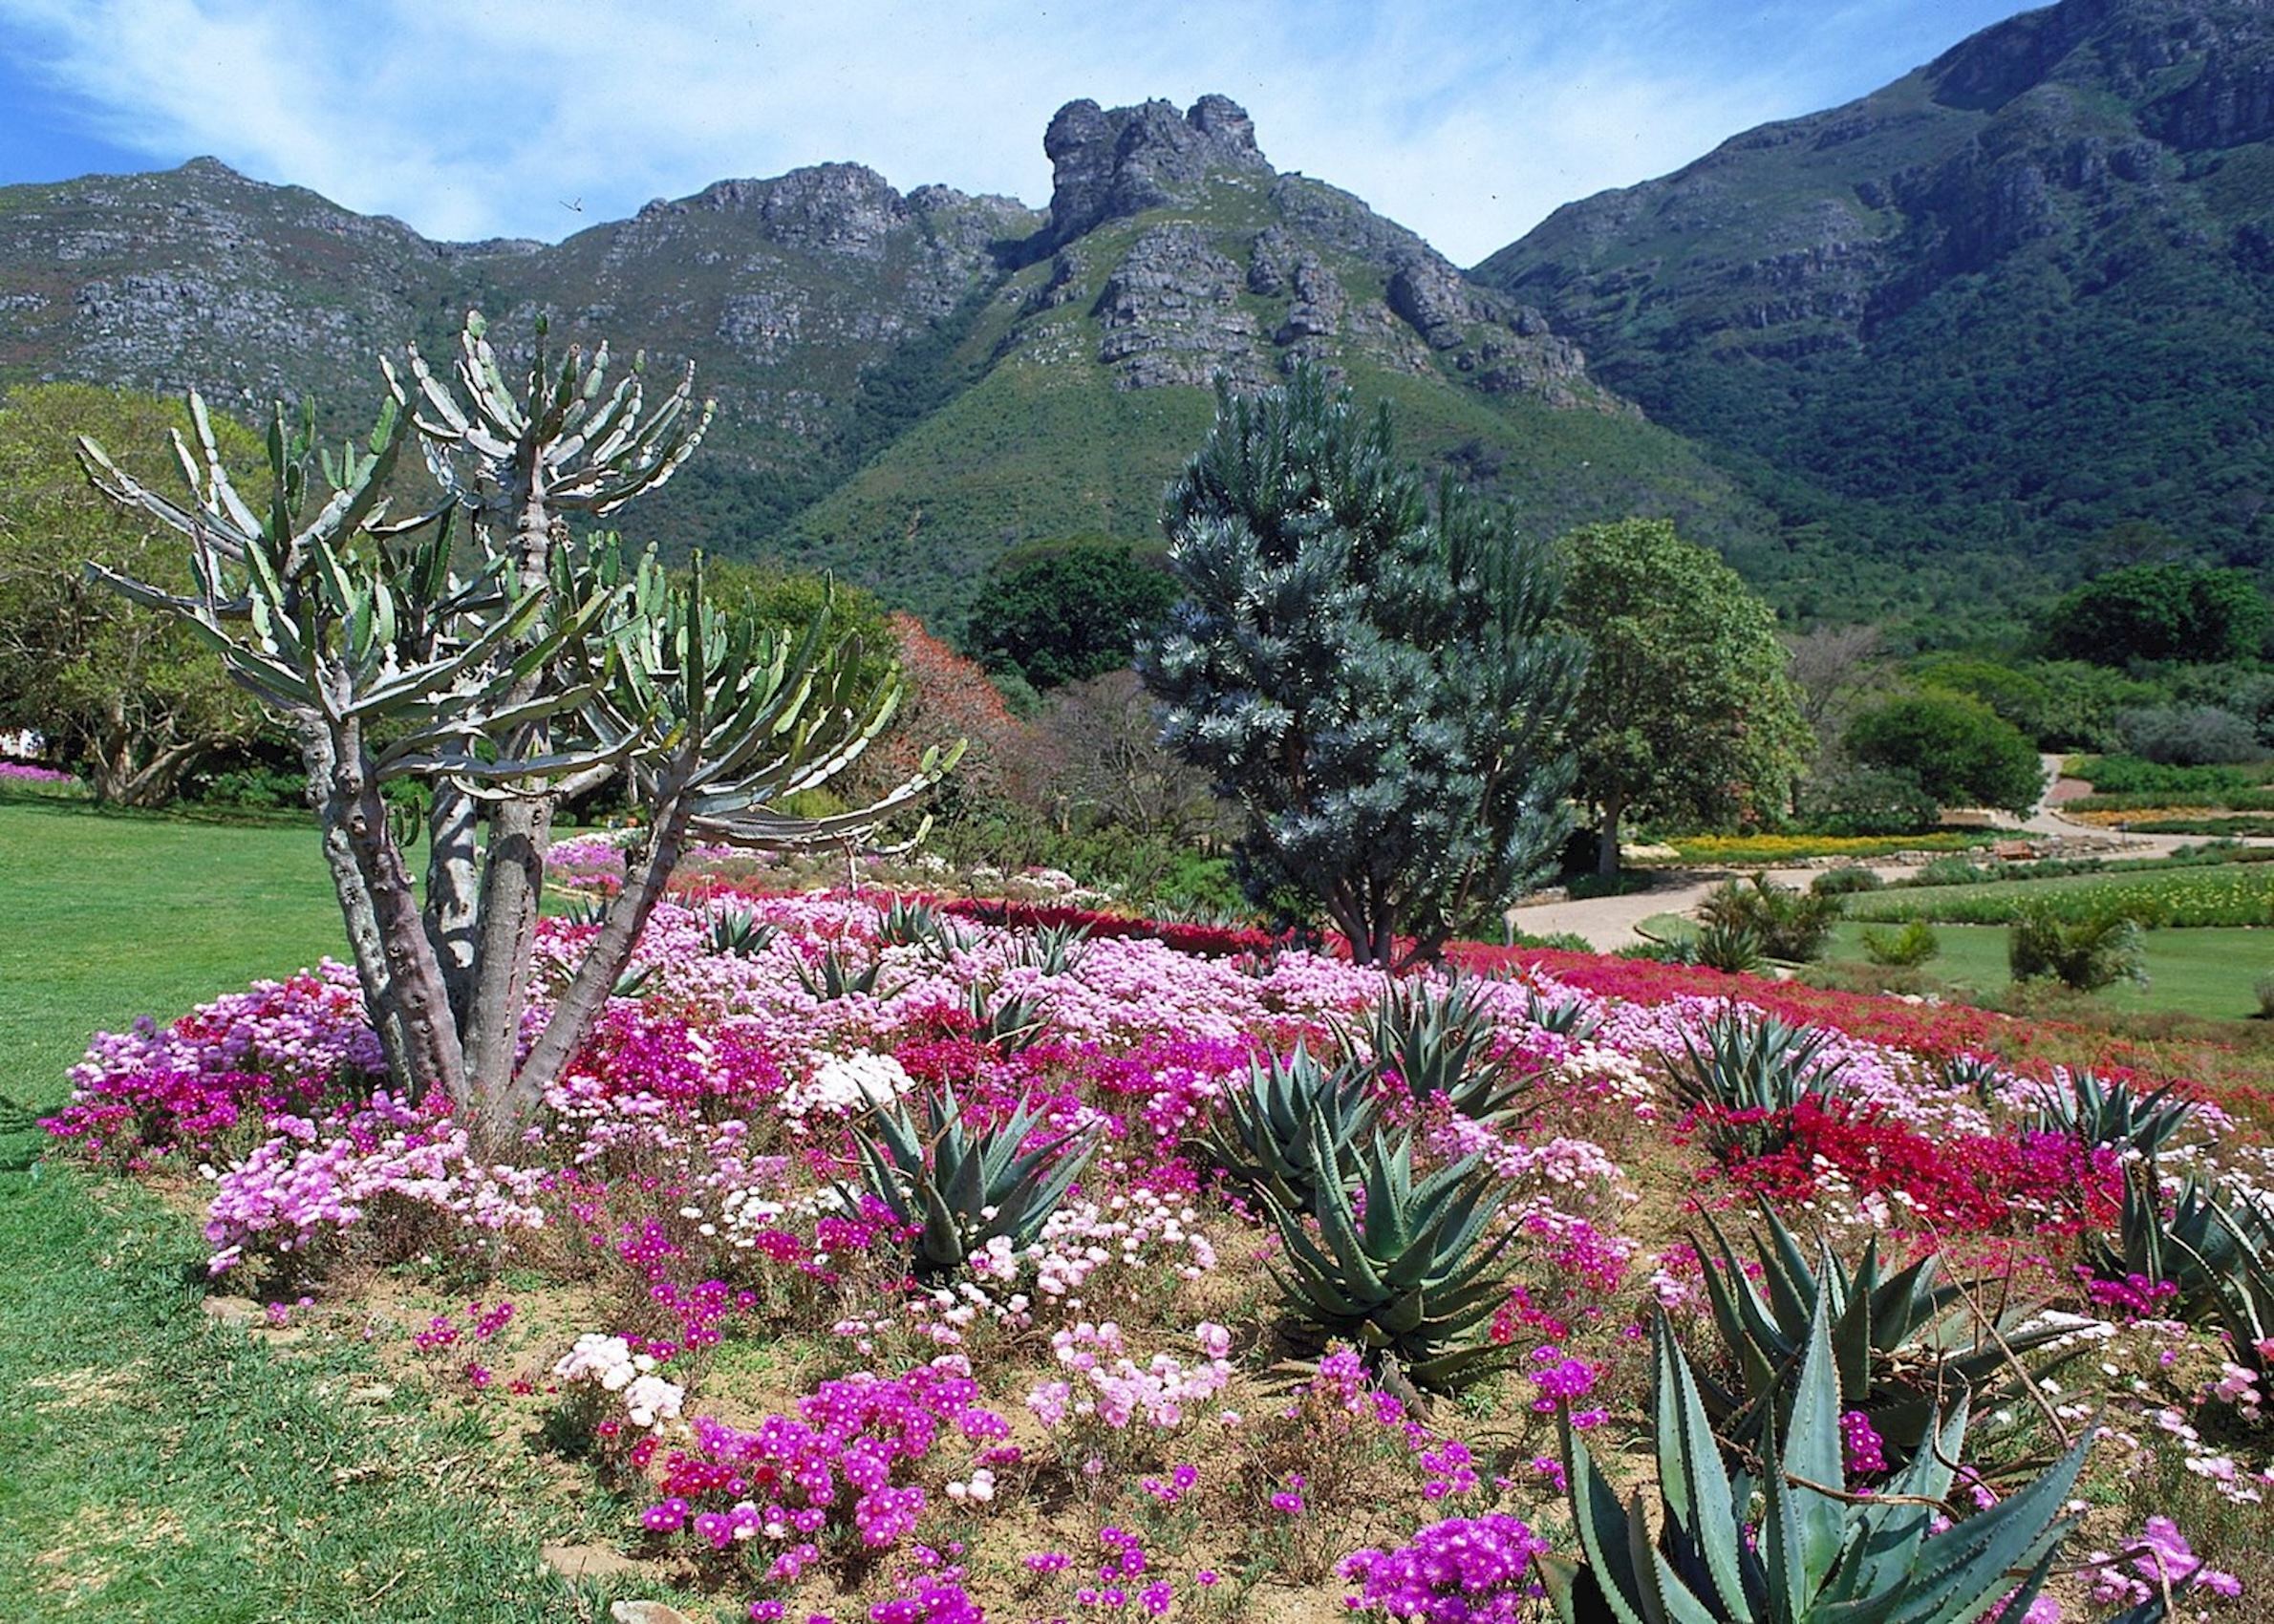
{"points": [[1465, 120]]}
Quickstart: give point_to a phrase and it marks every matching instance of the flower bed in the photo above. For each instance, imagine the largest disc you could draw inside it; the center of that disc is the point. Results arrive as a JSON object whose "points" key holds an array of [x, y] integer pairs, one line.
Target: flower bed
{"points": [[1110, 1413]]}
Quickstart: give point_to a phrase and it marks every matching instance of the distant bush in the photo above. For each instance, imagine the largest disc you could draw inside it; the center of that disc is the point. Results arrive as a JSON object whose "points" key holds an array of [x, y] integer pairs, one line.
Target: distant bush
{"points": [[1858, 799], [1661, 952], [2131, 775], [1561, 941], [1962, 752], [1845, 882], [2162, 611], [2084, 955], [2188, 735], [1912, 945], [1783, 923]]}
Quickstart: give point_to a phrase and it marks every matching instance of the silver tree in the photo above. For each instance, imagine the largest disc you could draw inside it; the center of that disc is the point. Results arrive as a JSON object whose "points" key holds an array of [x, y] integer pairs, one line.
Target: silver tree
{"points": [[507, 666]]}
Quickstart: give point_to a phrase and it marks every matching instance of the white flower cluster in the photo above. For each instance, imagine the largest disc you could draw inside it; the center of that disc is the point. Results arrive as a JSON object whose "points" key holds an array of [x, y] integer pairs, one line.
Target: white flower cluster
{"points": [[851, 1083], [649, 1401]]}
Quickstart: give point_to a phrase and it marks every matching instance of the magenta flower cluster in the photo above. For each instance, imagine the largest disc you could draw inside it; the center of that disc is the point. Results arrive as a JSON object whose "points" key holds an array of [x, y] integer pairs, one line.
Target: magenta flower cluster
{"points": [[1462, 1570]]}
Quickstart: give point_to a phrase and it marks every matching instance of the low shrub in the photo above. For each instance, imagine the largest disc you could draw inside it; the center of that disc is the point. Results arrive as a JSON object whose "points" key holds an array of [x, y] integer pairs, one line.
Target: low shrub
{"points": [[2084, 955], [1846, 881], [1912, 945], [2188, 735], [1788, 924]]}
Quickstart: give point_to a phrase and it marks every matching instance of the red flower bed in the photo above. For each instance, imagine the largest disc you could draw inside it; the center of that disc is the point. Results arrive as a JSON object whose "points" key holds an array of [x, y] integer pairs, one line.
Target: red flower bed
{"points": [[1977, 1183]]}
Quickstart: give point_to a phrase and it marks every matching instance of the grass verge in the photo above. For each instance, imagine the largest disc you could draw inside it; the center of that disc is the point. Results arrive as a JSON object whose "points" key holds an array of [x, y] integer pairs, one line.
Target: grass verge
{"points": [[162, 1465]]}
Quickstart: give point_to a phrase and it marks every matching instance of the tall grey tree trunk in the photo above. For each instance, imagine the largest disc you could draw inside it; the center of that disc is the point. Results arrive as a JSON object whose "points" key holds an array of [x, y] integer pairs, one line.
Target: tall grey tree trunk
{"points": [[1606, 851]]}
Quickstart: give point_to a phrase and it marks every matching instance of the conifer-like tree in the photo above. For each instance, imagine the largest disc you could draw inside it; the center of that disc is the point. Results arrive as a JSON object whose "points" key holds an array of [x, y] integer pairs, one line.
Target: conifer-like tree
{"points": [[1370, 676]]}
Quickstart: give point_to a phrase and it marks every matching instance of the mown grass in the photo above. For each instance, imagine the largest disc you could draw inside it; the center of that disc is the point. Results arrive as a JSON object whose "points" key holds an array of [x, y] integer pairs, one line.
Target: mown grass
{"points": [[160, 1465], [2227, 893], [2209, 973]]}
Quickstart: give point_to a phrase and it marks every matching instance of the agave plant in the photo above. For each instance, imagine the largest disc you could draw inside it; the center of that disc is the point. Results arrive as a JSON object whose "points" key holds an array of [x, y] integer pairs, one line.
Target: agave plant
{"points": [[1443, 1043], [1008, 1024], [908, 922], [2189, 1246], [1977, 1074], [1821, 1554], [1053, 949], [738, 931], [1758, 1069], [1566, 1017], [833, 976], [1900, 1340], [2105, 1113], [957, 1189], [2247, 1290], [1265, 1141], [1410, 1281], [632, 983], [587, 910]]}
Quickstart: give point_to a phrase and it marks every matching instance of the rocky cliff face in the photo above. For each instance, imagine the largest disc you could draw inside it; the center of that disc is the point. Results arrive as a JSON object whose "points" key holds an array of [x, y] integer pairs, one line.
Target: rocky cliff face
{"points": [[1990, 299], [844, 326]]}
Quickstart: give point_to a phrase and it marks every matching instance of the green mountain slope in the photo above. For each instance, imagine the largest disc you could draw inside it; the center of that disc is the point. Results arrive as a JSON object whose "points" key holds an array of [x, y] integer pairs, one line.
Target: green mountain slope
{"points": [[909, 385], [1972, 321]]}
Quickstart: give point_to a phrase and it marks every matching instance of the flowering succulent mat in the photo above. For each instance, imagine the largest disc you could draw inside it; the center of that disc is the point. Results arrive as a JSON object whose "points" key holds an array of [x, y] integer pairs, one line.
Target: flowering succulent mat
{"points": [[711, 1283]]}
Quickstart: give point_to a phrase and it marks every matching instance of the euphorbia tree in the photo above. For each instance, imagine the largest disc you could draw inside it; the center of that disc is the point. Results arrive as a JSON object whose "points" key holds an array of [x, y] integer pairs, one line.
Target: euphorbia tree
{"points": [[506, 670]]}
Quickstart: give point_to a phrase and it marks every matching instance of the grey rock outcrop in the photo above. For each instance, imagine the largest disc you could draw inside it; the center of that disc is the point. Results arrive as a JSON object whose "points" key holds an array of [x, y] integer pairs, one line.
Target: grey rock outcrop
{"points": [[1106, 165]]}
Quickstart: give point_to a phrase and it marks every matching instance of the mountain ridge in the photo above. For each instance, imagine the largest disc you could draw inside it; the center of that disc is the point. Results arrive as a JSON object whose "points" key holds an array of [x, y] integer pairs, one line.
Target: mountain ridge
{"points": [[846, 326]]}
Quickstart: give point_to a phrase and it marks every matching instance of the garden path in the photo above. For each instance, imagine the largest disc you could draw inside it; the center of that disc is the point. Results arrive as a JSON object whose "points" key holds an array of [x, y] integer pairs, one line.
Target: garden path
{"points": [[1608, 923]]}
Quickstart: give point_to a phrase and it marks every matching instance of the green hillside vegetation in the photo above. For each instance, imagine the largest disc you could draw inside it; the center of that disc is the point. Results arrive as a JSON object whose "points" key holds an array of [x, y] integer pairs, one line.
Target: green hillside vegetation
{"points": [[1974, 320]]}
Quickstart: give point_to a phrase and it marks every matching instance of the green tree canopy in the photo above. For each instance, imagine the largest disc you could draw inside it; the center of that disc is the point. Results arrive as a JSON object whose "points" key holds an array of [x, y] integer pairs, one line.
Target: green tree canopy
{"points": [[1067, 613], [1963, 752], [125, 695], [1687, 715], [2162, 611], [1377, 685]]}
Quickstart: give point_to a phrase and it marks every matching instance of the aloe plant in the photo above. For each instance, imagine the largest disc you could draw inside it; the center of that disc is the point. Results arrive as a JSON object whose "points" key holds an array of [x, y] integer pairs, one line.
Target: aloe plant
{"points": [[1820, 1554], [1760, 1067], [1899, 1338], [1007, 1023], [737, 932], [1265, 1139], [2187, 1247], [1977, 1074], [2112, 1114], [955, 1189], [1442, 1041], [834, 976], [1410, 1281], [916, 923], [2246, 1290], [1566, 1017], [1053, 949]]}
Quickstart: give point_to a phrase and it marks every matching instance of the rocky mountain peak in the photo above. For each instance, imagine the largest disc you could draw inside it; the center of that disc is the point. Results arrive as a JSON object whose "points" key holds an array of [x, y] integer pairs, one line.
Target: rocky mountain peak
{"points": [[1106, 164]]}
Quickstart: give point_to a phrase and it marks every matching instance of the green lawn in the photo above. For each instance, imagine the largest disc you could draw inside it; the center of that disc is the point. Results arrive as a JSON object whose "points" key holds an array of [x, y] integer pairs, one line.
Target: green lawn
{"points": [[2202, 973], [2204, 894], [158, 1465]]}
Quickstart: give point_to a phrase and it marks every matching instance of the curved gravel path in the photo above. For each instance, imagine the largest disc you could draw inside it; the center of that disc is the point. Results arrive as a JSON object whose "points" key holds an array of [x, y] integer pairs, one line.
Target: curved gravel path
{"points": [[1608, 923]]}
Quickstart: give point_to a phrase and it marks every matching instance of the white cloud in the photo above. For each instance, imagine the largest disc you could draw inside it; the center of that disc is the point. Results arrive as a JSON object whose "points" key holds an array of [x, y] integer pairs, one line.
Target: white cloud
{"points": [[1465, 120]]}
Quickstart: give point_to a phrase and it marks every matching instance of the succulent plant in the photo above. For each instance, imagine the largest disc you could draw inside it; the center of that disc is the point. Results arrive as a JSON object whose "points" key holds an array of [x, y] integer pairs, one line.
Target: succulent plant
{"points": [[1053, 949], [1899, 1338], [2188, 1248], [958, 1189], [2246, 1289], [907, 923], [1412, 1280], [1566, 1017], [1977, 1074], [2106, 1113], [1265, 1139], [833, 976], [1820, 1554], [1442, 1041], [1753, 1066], [585, 912], [1007, 1023], [737, 932]]}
